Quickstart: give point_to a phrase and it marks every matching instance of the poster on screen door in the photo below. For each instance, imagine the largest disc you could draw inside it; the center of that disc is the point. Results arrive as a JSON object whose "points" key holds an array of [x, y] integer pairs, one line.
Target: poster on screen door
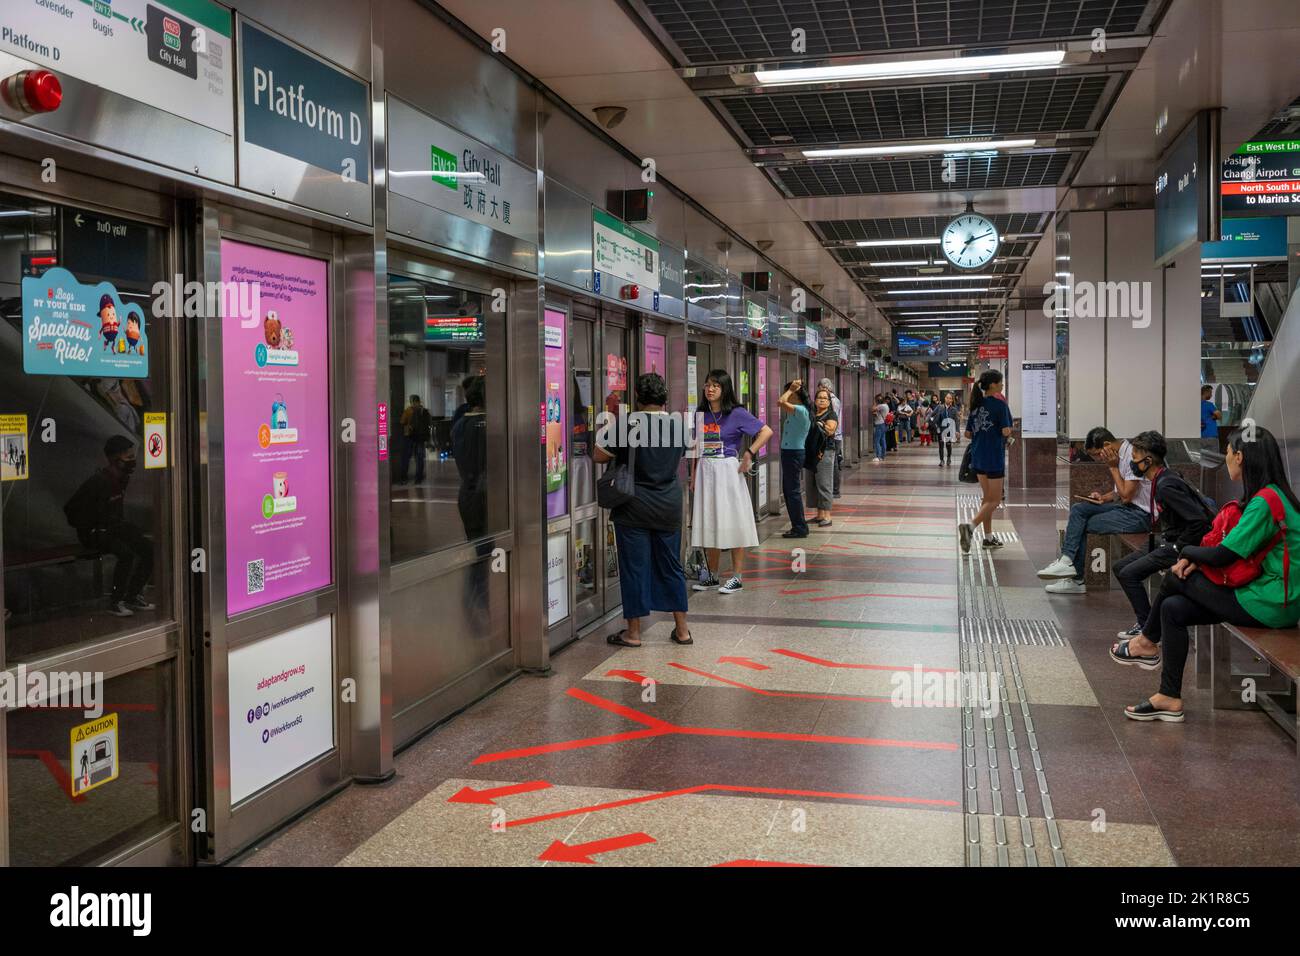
{"points": [[275, 383]]}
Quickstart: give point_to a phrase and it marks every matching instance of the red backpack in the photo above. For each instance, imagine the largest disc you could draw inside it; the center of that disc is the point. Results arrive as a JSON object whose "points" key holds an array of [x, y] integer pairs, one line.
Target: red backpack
{"points": [[1245, 570]]}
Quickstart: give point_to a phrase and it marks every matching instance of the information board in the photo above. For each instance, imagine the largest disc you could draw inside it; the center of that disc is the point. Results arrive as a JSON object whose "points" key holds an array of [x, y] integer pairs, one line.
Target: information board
{"points": [[275, 379], [281, 693], [1038, 399], [173, 56], [557, 417]]}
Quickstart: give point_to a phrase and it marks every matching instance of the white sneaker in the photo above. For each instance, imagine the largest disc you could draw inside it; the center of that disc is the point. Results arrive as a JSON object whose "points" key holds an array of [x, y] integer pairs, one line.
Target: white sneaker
{"points": [[1062, 567], [1067, 586], [732, 586]]}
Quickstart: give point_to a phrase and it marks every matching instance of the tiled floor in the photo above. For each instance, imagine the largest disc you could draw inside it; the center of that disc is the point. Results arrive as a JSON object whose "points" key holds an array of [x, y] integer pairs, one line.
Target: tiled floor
{"points": [[814, 722]]}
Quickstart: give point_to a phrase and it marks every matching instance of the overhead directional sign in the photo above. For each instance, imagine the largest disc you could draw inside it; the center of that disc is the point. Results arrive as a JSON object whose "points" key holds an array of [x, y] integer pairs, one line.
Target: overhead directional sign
{"points": [[173, 56]]}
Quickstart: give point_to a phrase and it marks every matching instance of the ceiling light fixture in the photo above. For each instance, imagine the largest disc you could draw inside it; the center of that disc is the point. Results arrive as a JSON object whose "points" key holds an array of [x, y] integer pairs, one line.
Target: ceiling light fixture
{"points": [[939, 278], [934, 291], [897, 242], [899, 69], [901, 262], [909, 149]]}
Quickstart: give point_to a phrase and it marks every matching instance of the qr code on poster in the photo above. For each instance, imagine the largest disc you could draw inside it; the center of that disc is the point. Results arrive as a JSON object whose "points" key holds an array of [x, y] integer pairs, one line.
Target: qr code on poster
{"points": [[257, 576]]}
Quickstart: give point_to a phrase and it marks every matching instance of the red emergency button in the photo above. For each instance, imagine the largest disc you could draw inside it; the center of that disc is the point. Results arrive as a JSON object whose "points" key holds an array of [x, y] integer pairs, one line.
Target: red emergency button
{"points": [[32, 91]]}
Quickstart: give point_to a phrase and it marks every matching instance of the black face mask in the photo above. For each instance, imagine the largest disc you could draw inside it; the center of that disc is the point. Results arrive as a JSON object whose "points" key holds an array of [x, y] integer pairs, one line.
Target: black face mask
{"points": [[1141, 467]]}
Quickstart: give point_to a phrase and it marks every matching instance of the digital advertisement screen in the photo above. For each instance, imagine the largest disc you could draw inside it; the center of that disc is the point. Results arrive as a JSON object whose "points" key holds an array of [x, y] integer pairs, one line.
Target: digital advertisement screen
{"points": [[929, 346], [467, 329], [1249, 239], [1181, 206]]}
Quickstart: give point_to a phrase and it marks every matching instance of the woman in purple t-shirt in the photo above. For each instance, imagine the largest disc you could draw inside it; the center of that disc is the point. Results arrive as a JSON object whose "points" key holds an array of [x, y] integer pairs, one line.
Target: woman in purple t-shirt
{"points": [[722, 515]]}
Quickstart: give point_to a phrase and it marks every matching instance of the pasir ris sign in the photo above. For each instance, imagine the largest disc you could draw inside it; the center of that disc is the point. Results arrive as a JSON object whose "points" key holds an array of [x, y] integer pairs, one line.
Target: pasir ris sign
{"points": [[75, 329]]}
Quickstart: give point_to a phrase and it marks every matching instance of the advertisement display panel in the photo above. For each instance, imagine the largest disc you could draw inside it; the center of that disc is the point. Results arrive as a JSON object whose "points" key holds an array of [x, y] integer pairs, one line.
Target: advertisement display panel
{"points": [[275, 380], [70, 328], [655, 354], [929, 346], [557, 417], [281, 705], [557, 578], [764, 412]]}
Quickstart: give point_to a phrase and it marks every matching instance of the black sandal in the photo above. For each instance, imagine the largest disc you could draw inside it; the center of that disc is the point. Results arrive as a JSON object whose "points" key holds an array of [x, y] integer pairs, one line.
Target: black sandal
{"points": [[1122, 656], [1147, 711], [617, 639], [689, 639]]}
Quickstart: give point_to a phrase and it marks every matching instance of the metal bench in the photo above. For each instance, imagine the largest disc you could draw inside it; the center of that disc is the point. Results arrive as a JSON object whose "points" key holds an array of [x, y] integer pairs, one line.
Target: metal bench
{"points": [[1274, 690]]}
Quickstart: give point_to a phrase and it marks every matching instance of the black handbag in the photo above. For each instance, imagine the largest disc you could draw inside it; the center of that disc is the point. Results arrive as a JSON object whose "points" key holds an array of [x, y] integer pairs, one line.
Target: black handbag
{"points": [[965, 472], [617, 486]]}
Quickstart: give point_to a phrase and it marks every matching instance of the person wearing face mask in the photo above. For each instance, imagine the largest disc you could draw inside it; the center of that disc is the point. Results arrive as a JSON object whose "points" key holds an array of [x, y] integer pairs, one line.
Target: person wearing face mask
{"points": [[1177, 511], [1124, 510], [97, 511], [1197, 591]]}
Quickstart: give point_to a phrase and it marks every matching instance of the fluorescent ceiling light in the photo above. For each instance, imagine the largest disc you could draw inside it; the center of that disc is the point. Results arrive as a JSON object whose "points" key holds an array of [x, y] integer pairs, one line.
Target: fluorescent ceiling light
{"points": [[946, 66], [901, 262], [897, 242], [964, 313], [909, 149], [940, 278], [948, 291], [8, 213]]}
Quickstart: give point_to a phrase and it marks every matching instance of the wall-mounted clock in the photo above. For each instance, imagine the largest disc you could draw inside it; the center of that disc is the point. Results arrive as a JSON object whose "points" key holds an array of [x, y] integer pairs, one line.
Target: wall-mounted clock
{"points": [[970, 241]]}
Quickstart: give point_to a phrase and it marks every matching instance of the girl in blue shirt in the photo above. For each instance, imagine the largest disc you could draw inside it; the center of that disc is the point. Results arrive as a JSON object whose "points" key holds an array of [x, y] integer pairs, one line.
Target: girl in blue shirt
{"points": [[987, 428]]}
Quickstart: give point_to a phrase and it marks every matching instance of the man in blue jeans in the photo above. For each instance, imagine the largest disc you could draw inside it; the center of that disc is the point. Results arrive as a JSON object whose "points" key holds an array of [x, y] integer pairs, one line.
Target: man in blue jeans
{"points": [[878, 413], [1124, 510]]}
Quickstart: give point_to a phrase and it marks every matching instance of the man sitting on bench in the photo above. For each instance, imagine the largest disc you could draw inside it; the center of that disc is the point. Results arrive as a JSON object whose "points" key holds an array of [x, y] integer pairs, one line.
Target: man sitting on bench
{"points": [[1124, 510], [96, 511], [1180, 512]]}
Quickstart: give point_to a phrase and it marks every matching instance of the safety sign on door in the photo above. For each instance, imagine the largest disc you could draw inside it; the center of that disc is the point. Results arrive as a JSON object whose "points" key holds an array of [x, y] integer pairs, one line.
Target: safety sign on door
{"points": [[94, 754], [155, 439]]}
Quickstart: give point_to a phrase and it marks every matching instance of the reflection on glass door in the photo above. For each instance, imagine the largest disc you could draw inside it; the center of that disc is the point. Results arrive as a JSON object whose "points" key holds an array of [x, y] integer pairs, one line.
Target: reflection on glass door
{"points": [[87, 452], [616, 388], [583, 401]]}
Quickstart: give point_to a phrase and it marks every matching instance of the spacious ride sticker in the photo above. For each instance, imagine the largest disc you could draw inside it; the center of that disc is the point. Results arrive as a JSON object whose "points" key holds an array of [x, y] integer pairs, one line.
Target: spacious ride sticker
{"points": [[94, 754], [70, 328]]}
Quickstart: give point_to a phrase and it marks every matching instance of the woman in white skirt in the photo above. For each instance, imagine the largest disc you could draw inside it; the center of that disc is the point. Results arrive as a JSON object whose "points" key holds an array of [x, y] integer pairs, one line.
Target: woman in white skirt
{"points": [[722, 515]]}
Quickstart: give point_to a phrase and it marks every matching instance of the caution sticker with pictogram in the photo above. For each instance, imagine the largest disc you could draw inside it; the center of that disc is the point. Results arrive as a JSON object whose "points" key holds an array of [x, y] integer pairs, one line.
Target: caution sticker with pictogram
{"points": [[94, 754], [155, 439]]}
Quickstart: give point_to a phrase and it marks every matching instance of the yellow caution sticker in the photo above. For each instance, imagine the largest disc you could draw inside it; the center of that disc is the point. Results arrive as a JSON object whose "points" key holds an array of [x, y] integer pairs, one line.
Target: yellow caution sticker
{"points": [[13, 448], [94, 754]]}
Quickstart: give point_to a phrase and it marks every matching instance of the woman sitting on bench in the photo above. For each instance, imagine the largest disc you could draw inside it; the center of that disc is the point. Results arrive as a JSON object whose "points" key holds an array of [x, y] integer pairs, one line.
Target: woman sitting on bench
{"points": [[1187, 598]]}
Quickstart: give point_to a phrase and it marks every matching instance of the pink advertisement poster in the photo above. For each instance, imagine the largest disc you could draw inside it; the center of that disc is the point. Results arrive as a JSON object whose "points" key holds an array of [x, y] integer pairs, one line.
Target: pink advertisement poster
{"points": [[764, 412], [557, 416], [275, 379], [654, 354]]}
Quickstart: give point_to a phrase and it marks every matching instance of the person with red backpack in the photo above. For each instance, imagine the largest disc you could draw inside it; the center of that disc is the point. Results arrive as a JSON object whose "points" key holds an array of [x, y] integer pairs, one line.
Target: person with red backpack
{"points": [[1239, 574], [1179, 517]]}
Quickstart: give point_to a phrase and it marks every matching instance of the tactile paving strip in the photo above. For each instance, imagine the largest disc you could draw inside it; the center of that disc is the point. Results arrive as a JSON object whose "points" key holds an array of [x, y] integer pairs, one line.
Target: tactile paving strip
{"points": [[988, 641]]}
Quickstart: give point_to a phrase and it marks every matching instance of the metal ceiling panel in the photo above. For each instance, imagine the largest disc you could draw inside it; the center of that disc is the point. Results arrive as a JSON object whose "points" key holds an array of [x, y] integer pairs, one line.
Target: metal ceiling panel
{"points": [[856, 178], [718, 31], [1045, 104]]}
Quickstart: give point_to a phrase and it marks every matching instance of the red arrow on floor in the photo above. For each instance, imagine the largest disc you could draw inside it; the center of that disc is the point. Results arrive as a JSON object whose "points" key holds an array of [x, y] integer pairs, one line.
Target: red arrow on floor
{"points": [[635, 677], [561, 852], [470, 795], [744, 662]]}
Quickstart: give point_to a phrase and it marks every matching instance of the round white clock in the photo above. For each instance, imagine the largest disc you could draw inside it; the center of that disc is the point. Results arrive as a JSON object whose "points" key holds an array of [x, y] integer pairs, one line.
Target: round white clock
{"points": [[970, 241]]}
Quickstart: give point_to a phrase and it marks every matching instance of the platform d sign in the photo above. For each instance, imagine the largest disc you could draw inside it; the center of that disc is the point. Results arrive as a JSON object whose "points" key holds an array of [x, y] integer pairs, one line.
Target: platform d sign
{"points": [[300, 106]]}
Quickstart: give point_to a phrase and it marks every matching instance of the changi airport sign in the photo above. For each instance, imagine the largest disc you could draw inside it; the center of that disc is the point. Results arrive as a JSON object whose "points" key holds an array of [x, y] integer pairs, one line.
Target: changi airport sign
{"points": [[1262, 179], [441, 167], [299, 106], [172, 56]]}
